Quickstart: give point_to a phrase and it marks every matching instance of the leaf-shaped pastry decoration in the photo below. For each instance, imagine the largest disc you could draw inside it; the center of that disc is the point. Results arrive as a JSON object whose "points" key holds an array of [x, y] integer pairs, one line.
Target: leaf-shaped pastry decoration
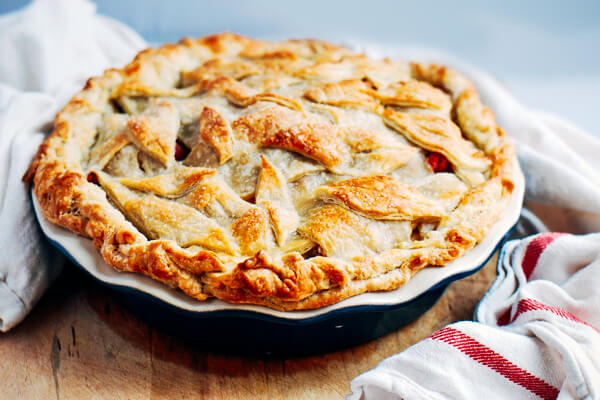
{"points": [[293, 166], [339, 232], [170, 185], [163, 219], [124, 163], [241, 95], [476, 120], [442, 77], [294, 131], [297, 243], [349, 93], [381, 197], [381, 73], [277, 99], [272, 193], [132, 105], [474, 214], [372, 153], [445, 187], [343, 150], [414, 94], [235, 92], [335, 71], [252, 230], [215, 131], [441, 135], [272, 80], [111, 139], [155, 130], [215, 68], [216, 200]]}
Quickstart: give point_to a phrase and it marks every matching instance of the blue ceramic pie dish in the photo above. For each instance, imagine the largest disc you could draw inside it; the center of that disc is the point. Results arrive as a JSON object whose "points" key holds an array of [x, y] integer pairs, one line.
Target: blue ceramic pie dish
{"points": [[258, 330]]}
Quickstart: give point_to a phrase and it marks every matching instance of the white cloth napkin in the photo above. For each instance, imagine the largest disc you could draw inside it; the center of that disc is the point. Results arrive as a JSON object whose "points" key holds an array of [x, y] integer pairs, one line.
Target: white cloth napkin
{"points": [[47, 52], [536, 334]]}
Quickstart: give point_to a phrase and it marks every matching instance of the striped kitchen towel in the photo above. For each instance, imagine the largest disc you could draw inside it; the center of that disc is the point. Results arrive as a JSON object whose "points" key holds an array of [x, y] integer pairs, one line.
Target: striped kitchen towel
{"points": [[535, 336]]}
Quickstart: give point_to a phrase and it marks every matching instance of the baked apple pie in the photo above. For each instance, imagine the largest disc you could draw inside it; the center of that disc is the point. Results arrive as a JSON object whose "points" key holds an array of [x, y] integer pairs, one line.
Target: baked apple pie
{"points": [[291, 175]]}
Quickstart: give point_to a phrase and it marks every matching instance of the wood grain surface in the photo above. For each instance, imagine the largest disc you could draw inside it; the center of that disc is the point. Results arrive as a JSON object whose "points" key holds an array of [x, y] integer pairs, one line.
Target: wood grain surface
{"points": [[79, 343]]}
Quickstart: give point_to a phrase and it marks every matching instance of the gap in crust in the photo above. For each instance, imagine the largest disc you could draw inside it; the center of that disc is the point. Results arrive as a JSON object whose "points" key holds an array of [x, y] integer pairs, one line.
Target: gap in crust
{"points": [[291, 174]]}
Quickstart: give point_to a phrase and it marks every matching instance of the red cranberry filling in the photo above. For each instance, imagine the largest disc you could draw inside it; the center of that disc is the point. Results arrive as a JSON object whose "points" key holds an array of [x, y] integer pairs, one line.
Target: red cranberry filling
{"points": [[438, 162], [93, 178], [181, 151]]}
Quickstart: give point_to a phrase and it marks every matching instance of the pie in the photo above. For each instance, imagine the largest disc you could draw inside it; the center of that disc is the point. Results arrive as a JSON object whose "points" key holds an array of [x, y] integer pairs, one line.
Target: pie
{"points": [[291, 175]]}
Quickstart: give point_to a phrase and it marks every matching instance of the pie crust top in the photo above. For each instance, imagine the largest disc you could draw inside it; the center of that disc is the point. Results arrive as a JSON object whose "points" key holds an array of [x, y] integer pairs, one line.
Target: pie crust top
{"points": [[291, 174]]}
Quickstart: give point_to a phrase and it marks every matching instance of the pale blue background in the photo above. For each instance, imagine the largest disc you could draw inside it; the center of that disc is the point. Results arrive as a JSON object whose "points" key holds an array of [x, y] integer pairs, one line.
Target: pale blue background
{"points": [[547, 52]]}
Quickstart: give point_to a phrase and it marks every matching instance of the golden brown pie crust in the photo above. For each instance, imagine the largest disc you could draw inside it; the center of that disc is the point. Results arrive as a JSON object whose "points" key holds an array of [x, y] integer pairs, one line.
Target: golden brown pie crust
{"points": [[307, 179]]}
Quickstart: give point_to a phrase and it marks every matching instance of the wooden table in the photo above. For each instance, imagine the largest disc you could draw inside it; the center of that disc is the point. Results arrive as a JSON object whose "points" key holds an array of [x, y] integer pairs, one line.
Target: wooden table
{"points": [[78, 343]]}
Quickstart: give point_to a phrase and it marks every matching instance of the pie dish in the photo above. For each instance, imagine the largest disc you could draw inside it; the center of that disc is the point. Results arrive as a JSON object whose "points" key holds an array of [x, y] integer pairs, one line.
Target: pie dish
{"points": [[291, 175]]}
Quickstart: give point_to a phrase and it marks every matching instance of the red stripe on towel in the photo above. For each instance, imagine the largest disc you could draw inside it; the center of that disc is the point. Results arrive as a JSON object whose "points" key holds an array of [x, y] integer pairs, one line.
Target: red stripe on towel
{"points": [[525, 305], [504, 319], [534, 250], [488, 357]]}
